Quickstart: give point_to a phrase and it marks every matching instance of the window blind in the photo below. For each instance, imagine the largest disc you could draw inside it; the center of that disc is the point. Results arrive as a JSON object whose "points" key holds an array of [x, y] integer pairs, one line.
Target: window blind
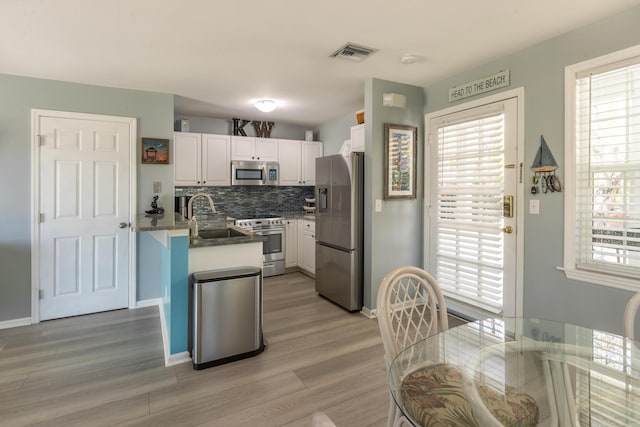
{"points": [[604, 388], [607, 181], [470, 176]]}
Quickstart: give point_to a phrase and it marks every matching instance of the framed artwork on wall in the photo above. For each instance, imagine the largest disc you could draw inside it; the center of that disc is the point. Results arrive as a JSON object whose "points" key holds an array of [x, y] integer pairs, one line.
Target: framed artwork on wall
{"points": [[155, 151], [400, 162]]}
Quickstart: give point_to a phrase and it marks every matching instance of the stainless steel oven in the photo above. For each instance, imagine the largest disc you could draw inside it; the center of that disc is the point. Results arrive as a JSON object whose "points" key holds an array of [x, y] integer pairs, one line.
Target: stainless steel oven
{"points": [[272, 228]]}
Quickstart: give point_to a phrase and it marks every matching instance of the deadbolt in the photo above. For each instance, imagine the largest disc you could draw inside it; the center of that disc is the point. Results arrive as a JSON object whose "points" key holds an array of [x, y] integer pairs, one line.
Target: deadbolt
{"points": [[508, 229]]}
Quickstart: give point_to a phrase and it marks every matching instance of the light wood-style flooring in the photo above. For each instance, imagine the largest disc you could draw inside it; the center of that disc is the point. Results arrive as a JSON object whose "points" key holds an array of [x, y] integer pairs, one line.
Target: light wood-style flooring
{"points": [[108, 369]]}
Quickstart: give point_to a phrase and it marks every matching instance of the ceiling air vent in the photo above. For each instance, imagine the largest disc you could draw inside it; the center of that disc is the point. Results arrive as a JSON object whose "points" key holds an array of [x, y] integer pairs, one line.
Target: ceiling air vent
{"points": [[353, 52]]}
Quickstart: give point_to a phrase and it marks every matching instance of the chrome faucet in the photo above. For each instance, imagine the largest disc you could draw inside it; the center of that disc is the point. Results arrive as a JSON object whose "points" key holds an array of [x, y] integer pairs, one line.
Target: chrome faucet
{"points": [[192, 219]]}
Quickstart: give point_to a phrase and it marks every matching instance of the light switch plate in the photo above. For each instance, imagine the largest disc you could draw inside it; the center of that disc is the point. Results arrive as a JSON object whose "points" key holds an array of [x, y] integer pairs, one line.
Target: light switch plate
{"points": [[534, 206], [378, 205], [157, 187]]}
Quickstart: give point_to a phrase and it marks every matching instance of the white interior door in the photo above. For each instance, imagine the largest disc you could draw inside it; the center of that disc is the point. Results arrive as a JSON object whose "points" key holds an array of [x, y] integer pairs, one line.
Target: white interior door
{"points": [[84, 186], [472, 215]]}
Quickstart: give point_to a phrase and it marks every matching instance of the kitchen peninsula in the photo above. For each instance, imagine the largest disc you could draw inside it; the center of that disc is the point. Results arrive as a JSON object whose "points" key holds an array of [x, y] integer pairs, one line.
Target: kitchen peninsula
{"points": [[167, 255]]}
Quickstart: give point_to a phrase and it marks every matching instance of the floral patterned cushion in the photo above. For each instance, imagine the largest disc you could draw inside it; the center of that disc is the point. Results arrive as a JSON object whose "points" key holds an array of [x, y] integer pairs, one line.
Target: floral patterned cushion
{"points": [[434, 396]]}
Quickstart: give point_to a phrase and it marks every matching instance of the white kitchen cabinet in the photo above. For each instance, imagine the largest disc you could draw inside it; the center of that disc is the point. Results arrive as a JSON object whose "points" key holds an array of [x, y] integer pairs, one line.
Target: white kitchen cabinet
{"points": [[357, 138], [289, 155], [291, 244], [307, 245], [201, 159], [297, 161], [250, 148], [310, 151]]}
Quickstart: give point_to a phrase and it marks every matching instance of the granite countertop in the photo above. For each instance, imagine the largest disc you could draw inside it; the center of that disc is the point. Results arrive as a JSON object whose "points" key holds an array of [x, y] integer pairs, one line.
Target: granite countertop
{"points": [[175, 221], [247, 237], [166, 221], [299, 216]]}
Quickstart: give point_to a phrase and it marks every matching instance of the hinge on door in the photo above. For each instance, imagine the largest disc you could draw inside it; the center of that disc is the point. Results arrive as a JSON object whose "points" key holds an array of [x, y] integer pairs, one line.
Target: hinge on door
{"points": [[41, 293], [41, 140], [41, 218]]}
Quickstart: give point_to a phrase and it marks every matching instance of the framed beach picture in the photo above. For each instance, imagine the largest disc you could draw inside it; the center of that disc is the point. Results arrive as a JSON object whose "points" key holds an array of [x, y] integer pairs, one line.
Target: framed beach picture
{"points": [[400, 165], [155, 151]]}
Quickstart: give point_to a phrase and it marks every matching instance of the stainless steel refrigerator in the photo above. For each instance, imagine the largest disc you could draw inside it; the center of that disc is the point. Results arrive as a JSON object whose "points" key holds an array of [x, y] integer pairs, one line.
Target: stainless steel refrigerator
{"points": [[339, 229]]}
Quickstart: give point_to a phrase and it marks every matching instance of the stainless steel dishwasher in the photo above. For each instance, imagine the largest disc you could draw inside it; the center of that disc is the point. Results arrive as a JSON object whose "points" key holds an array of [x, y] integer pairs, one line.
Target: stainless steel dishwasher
{"points": [[226, 313]]}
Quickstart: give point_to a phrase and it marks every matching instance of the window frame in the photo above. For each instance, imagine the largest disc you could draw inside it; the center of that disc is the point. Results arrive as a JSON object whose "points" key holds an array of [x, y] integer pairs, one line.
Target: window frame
{"points": [[571, 75]]}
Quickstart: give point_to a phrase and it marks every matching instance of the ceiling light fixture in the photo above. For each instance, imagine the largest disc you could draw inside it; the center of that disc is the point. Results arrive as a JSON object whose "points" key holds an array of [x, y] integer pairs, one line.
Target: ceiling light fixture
{"points": [[410, 58], [266, 105]]}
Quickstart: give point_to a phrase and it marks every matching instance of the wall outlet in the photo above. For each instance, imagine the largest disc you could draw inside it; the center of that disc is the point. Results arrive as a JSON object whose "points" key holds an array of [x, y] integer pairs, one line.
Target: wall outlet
{"points": [[157, 187], [534, 206]]}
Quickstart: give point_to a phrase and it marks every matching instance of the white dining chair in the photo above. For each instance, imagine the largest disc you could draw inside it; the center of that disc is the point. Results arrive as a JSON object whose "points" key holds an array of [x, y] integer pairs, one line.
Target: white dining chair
{"points": [[410, 308], [629, 317], [407, 310]]}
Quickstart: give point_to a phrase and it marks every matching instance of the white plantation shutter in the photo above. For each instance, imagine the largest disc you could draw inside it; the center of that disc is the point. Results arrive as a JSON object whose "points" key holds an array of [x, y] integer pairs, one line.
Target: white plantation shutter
{"points": [[607, 170], [470, 182]]}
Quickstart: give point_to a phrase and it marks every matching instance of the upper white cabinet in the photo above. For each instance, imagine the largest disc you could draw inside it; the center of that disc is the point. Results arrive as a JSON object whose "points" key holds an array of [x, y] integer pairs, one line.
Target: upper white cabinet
{"points": [[310, 152], [201, 159], [250, 148], [289, 154], [297, 161], [357, 138]]}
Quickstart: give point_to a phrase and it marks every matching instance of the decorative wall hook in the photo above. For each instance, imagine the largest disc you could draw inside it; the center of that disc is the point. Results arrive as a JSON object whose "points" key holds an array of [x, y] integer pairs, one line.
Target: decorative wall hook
{"points": [[544, 167]]}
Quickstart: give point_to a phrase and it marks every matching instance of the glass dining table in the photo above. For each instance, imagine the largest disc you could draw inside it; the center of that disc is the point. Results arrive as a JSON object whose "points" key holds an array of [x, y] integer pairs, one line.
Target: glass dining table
{"points": [[539, 372]]}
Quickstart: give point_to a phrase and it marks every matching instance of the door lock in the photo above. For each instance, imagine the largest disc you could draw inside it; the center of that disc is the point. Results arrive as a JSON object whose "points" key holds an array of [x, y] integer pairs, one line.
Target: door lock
{"points": [[508, 229]]}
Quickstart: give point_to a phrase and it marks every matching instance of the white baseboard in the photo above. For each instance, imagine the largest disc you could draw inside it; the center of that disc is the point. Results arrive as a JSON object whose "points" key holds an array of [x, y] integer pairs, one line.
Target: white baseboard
{"points": [[178, 358], [149, 302], [366, 311], [169, 359], [14, 323]]}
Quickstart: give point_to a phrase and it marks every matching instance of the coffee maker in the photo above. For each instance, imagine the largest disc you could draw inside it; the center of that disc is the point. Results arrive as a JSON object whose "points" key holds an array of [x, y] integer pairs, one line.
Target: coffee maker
{"points": [[181, 203]]}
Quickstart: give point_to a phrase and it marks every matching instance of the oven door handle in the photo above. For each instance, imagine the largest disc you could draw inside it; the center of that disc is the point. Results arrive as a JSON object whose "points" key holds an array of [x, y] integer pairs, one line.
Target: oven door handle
{"points": [[269, 231]]}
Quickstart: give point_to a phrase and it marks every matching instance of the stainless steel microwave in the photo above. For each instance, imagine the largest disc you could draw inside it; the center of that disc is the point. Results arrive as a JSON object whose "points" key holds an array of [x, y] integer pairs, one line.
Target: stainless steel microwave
{"points": [[254, 173]]}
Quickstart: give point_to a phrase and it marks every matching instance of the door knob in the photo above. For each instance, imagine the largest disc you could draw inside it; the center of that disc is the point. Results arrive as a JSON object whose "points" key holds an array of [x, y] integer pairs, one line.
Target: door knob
{"points": [[123, 225], [508, 229]]}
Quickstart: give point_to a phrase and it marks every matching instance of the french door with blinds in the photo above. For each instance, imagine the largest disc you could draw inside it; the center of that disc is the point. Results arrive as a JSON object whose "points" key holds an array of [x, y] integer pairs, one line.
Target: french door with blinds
{"points": [[472, 214]]}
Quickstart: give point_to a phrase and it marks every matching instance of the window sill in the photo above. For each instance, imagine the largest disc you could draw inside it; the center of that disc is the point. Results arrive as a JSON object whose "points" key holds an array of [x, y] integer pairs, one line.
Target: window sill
{"points": [[602, 279]]}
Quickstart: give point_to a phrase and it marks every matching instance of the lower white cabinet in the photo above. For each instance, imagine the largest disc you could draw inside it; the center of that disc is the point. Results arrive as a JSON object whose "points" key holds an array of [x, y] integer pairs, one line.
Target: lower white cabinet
{"points": [[291, 244], [307, 245]]}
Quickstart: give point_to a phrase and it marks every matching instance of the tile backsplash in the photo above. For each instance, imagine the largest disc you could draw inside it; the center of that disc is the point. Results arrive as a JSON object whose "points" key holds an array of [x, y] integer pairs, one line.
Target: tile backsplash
{"points": [[245, 201]]}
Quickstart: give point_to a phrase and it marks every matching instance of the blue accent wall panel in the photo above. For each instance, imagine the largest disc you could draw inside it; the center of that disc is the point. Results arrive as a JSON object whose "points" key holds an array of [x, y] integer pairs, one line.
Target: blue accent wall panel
{"points": [[179, 306]]}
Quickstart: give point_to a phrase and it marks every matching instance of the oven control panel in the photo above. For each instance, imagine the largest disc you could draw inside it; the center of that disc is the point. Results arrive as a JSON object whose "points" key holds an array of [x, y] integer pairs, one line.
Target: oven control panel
{"points": [[260, 223]]}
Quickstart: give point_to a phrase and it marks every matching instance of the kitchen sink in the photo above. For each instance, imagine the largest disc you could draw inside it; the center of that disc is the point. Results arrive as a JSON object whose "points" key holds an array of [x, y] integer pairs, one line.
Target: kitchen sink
{"points": [[219, 233]]}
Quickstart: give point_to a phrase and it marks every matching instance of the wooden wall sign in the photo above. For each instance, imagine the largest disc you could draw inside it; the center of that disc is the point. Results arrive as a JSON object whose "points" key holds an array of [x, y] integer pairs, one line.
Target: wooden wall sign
{"points": [[263, 129], [238, 127]]}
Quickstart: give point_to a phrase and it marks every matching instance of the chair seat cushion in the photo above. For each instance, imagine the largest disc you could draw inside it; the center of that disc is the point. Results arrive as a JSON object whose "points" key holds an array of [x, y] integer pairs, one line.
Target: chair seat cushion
{"points": [[434, 396]]}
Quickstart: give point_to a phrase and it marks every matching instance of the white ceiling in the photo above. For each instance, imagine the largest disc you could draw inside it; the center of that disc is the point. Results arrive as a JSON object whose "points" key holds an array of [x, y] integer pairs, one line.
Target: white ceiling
{"points": [[218, 56]]}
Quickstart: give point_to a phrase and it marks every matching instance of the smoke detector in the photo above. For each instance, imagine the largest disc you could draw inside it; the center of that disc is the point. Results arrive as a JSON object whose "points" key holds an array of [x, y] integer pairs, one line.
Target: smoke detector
{"points": [[353, 52]]}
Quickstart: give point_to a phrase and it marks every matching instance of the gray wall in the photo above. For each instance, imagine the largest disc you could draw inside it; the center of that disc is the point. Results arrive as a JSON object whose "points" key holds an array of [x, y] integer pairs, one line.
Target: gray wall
{"points": [[393, 236], [154, 112], [540, 69], [335, 132], [218, 126]]}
